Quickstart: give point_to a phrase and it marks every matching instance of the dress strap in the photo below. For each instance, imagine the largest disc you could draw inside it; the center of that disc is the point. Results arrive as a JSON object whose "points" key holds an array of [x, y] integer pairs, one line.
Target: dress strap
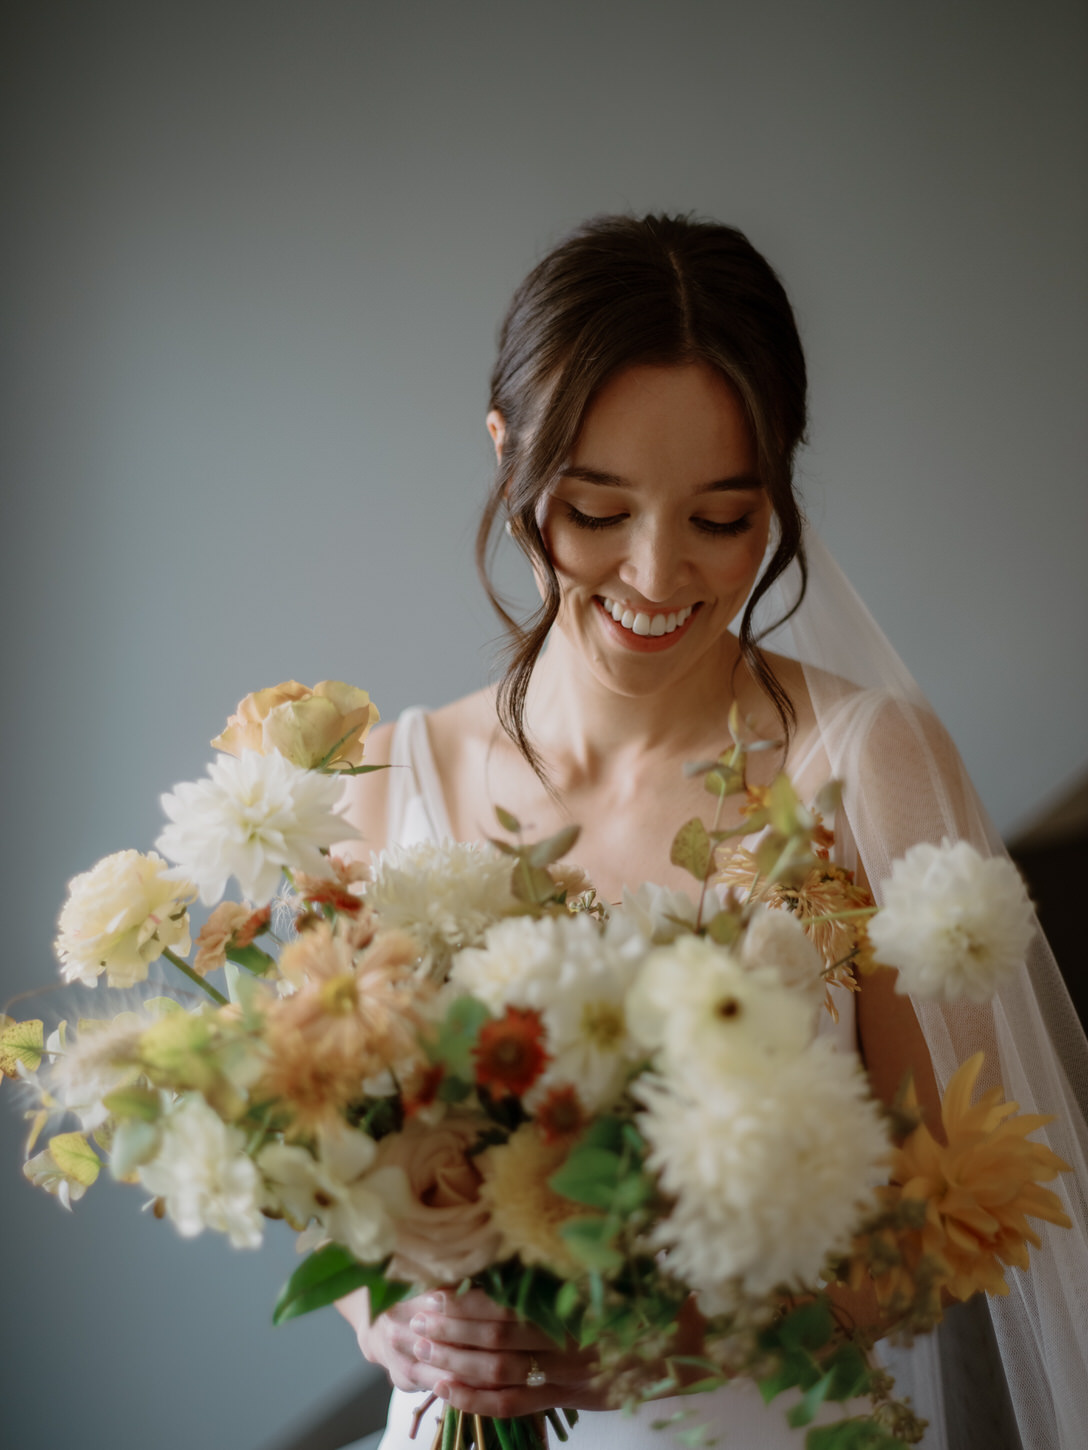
{"points": [[416, 804]]}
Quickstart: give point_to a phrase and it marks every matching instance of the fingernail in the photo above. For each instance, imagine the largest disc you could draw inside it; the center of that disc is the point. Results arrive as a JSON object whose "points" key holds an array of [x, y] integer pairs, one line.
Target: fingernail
{"points": [[422, 1349], [443, 1390], [436, 1302], [418, 1324]]}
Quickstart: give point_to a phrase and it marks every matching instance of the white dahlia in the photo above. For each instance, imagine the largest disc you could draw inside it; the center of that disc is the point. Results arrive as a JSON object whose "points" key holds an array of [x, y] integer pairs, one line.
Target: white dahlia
{"points": [[707, 1015], [445, 895], [203, 1175], [769, 1172], [954, 922], [252, 817], [119, 916]]}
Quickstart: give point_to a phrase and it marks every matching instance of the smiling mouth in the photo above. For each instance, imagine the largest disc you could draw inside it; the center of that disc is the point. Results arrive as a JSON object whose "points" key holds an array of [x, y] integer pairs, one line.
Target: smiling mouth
{"points": [[642, 629]]}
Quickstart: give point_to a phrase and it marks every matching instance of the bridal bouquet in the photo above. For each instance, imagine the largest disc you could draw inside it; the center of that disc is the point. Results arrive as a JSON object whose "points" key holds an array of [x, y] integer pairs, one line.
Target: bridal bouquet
{"points": [[458, 1067]]}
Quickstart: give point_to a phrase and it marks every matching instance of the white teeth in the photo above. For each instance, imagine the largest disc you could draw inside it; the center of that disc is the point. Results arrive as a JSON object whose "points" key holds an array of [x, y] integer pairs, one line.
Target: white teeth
{"points": [[644, 624]]}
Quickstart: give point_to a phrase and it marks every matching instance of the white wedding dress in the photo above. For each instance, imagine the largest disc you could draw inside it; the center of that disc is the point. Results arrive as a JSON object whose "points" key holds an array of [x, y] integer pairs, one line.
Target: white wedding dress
{"points": [[736, 1415]]}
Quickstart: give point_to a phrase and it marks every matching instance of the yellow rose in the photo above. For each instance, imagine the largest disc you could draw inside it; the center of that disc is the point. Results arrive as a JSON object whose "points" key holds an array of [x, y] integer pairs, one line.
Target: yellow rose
{"points": [[323, 726]]}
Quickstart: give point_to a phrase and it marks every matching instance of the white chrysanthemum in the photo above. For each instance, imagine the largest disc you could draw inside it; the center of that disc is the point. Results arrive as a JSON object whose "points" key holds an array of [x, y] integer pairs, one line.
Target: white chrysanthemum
{"points": [[659, 913], [203, 1175], [339, 1192], [577, 976], [705, 1014], [769, 1172], [775, 938], [953, 922], [252, 817], [119, 916], [445, 895]]}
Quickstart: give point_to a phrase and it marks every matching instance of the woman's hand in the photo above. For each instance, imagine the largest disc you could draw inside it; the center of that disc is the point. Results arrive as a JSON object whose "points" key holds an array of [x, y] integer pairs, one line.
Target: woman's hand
{"points": [[475, 1355]]}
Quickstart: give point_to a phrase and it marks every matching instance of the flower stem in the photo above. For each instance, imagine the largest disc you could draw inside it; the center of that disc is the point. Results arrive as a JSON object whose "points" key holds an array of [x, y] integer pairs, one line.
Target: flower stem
{"points": [[199, 981]]}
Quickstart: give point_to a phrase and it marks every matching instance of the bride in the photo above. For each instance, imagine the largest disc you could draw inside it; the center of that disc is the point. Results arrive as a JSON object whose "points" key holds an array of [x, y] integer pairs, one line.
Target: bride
{"points": [[646, 406]]}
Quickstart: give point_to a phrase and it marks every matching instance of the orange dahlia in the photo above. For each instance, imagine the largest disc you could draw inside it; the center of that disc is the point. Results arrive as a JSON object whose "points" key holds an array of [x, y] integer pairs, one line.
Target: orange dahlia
{"points": [[981, 1187]]}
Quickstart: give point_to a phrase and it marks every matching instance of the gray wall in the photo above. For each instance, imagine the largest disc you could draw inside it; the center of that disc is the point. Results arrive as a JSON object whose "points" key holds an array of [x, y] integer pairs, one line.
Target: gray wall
{"points": [[256, 254]]}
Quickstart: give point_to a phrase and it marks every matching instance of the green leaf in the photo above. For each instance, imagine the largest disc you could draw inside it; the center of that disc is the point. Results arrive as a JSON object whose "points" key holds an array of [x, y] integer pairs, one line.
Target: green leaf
{"points": [[850, 1373], [531, 883], [604, 1132], [852, 1435], [20, 1042], [75, 1157], [507, 820], [357, 769], [724, 780], [805, 1411], [328, 1275], [135, 1142], [691, 849], [793, 1369], [545, 852], [590, 1241], [457, 1035], [134, 1102], [252, 958], [590, 1175], [807, 1327], [568, 1300], [453, 1089], [724, 928]]}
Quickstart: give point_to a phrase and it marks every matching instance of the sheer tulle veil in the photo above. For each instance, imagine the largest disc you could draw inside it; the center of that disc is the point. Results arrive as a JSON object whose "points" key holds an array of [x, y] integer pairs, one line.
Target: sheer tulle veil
{"points": [[904, 782]]}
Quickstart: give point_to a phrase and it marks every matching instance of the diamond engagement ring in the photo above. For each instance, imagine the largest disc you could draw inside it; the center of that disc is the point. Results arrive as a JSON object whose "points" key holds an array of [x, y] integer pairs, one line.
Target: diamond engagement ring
{"points": [[535, 1376]]}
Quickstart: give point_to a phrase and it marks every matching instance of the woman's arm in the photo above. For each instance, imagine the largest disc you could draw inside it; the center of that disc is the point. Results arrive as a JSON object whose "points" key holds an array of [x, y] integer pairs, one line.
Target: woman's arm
{"points": [[367, 798]]}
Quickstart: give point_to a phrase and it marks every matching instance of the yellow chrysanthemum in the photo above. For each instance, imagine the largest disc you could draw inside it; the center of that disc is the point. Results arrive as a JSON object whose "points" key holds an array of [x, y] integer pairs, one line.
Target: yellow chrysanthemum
{"points": [[982, 1186], [525, 1210]]}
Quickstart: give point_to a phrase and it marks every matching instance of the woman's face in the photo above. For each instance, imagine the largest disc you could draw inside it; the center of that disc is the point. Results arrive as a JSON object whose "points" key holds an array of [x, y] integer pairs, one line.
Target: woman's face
{"points": [[657, 526]]}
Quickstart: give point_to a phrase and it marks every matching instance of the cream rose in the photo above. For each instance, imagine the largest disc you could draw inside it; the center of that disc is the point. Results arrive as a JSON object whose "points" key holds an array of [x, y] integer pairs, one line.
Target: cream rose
{"points": [[323, 726], [118, 918], [446, 1232]]}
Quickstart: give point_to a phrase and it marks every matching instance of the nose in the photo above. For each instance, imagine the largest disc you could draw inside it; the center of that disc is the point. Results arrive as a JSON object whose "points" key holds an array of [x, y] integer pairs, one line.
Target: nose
{"points": [[655, 565]]}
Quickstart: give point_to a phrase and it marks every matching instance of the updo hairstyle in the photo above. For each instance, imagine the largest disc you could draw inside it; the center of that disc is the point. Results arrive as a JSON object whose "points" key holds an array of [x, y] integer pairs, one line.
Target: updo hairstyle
{"points": [[617, 292]]}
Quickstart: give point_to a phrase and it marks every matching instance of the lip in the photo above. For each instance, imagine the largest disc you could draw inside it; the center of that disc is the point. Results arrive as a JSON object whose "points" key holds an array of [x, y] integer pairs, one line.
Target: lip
{"points": [[644, 643]]}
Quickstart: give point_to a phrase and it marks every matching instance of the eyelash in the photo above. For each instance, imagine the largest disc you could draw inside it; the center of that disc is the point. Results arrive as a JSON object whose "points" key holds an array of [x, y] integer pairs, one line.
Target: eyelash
{"points": [[705, 526]]}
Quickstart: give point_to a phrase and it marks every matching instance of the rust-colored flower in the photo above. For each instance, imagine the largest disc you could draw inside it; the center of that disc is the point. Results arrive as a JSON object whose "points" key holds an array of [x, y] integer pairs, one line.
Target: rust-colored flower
{"points": [[510, 1053], [334, 890], [560, 1115]]}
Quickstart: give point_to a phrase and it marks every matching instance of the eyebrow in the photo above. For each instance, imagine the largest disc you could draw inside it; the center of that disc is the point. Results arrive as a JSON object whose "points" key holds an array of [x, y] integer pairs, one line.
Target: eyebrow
{"points": [[740, 483]]}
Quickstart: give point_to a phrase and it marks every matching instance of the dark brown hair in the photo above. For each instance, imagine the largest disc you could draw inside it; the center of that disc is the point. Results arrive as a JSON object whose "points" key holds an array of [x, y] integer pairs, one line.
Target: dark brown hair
{"points": [[618, 291]]}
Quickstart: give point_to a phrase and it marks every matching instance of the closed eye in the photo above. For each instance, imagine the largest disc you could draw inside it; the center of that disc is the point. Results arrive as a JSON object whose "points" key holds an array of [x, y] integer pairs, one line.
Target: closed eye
{"points": [[718, 527], [592, 521]]}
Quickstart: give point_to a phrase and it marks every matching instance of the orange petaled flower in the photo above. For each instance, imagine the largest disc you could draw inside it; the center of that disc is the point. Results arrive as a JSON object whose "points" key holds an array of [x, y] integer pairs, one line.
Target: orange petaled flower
{"points": [[352, 1017], [422, 1090], [560, 1115], [980, 1188], [335, 890], [828, 888], [510, 1053]]}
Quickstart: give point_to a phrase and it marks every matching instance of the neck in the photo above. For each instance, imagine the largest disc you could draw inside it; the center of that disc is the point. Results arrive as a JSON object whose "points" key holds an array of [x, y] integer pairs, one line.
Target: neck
{"points": [[581, 724]]}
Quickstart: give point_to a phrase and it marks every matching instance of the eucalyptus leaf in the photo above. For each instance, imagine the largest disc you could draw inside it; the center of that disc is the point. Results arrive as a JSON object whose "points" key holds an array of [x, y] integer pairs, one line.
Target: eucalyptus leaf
{"points": [[545, 852], [590, 1176], [259, 962], [507, 820], [134, 1101], [691, 849], [806, 1409], [590, 1240]]}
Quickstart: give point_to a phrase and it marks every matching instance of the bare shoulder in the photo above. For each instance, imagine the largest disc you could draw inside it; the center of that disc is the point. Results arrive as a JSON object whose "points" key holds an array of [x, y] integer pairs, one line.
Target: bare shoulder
{"points": [[366, 798], [459, 731]]}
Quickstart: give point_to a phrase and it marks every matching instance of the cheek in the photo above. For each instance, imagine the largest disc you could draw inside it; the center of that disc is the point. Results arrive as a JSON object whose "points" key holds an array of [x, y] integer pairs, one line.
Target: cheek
{"points": [[579, 556]]}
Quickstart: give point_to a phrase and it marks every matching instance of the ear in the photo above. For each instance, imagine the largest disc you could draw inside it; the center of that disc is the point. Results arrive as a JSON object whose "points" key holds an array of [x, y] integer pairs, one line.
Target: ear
{"points": [[496, 426]]}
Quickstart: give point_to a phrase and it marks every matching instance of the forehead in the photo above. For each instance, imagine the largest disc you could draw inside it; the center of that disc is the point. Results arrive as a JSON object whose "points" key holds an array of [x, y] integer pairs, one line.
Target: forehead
{"points": [[682, 423]]}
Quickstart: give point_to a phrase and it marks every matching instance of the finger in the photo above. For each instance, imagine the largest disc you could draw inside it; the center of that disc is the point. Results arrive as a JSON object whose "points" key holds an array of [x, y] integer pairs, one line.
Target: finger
{"points": [[493, 1334], [484, 1370], [498, 1404], [473, 1304]]}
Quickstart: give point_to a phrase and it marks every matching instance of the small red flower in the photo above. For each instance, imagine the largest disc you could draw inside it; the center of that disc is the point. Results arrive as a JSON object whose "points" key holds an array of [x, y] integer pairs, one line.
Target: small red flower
{"points": [[510, 1053], [560, 1115], [426, 1090], [252, 926]]}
